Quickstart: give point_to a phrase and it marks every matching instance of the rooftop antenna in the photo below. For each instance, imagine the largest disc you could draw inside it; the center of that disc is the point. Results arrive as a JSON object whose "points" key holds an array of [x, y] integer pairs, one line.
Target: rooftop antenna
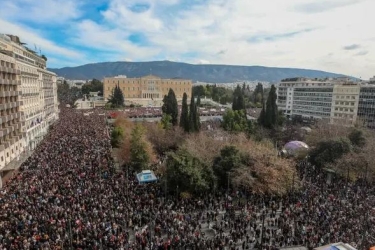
{"points": [[35, 49], [40, 51]]}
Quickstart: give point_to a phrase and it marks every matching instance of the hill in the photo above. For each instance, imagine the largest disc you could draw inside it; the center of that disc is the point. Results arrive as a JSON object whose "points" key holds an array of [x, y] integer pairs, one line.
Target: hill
{"points": [[202, 72]]}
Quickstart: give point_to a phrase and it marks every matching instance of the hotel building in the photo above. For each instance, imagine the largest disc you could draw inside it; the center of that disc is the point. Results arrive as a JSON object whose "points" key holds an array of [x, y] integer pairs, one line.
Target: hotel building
{"points": [[147, 90], [335, 100], [37, 91]]}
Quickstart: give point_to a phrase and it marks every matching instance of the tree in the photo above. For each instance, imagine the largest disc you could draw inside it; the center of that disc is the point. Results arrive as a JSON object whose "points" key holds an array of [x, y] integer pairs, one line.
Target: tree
{"points": [[238, 99], [164, 140], [170, 106], [166, 121], [235, 121], [258, 94], [93, 86], [141, 153], [357, 138], [269, 117], [262, 171], [116, 137], [198, 101], [228, 160], [187, 173], [328, 151], [194, 121], [184, 119], [117, 98]]}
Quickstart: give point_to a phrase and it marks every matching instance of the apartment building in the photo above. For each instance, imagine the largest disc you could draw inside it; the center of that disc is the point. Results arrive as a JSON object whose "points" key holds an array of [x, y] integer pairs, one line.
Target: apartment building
{"points": [[37, 90], [146, 90], [12, 141], [310, 98], [345, 103], [366, 106], [335, 100]]}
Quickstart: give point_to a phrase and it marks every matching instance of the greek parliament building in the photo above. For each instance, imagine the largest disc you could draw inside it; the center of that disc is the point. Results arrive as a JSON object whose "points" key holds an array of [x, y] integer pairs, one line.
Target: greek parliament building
{"points": [[337, 100], [28, 102], [147, 90]]}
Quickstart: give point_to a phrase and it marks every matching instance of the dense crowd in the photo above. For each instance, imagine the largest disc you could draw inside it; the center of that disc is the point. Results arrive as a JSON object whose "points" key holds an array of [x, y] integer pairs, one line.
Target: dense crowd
{"points": [[69, 194]]}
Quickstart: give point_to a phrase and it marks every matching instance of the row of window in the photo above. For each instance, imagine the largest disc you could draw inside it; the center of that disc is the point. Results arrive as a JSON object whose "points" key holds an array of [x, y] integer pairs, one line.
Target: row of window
{"points": [[344, 109], [312, 108], [148, 82], [345, 103], [326, 104], [149, 89], [313, 94], [345, 97]]}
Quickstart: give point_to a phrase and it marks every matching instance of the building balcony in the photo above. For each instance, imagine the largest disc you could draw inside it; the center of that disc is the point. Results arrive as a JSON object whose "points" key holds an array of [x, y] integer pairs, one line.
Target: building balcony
{"points": [[8, 70]]}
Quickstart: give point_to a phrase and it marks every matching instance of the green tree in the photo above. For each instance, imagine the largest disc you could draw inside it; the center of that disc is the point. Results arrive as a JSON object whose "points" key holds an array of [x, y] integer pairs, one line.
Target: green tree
{"points": [[187, 173], [194, 120], [139, 156], [235, 121], [192, 115], [238, 99], [116, 137], [228, 160], [258, 94], [166, 121], [170, 106], [184, 119], [357, 138], [328, 151], [93, 86], [198, 101], [117, 98], [269, 117]]}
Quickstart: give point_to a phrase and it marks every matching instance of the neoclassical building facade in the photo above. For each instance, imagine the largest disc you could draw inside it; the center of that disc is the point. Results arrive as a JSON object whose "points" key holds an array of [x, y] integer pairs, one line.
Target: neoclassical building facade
{"points": [[147, 90]]}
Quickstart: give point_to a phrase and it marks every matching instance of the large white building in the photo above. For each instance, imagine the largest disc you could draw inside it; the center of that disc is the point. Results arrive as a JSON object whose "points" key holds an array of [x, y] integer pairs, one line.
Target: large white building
{"points": [[333, 99], [38, 91]]}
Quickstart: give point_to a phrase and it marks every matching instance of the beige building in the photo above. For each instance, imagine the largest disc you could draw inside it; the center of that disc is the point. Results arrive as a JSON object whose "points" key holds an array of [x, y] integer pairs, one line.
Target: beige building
{"points": [[345, 101], [12, 140], [148, 90], [39, 90], [36, 94]]}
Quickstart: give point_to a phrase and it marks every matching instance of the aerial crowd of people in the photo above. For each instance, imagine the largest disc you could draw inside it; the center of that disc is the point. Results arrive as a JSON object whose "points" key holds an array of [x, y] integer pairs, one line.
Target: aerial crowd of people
{"points": [[71, 195]]}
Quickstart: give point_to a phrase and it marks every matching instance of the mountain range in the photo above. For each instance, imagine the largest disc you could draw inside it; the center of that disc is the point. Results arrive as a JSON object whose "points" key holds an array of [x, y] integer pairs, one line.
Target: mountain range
{"points": [[201, 72]]}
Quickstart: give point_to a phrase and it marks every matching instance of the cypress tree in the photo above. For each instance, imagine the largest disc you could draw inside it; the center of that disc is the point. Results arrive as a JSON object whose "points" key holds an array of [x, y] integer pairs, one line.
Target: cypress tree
{"points": [[198, 101], [197, 120], [184, 119], [238, 99], [117, 97], [170, 106], [272, 113], [192, 111]]}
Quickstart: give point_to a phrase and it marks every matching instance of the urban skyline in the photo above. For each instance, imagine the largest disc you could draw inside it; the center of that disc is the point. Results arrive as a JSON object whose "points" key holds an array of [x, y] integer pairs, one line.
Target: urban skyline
{"points": [[324, 35]]}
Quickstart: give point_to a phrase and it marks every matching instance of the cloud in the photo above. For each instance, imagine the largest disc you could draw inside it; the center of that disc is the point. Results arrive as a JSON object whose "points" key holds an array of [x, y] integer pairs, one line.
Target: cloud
{"points": [[40, 11], [362, 53], [314, 7], [32, 37], [352, 47], [241, 32], [275, 37]]}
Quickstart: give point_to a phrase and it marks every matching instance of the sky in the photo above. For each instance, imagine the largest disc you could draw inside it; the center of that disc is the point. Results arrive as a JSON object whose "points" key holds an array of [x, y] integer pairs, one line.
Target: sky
{"points": [[331, 35]]}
